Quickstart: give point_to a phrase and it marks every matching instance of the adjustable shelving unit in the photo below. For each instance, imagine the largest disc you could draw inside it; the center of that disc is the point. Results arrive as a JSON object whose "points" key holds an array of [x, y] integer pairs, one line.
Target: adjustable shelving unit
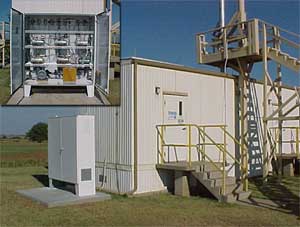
{"points": [[58, 43]]}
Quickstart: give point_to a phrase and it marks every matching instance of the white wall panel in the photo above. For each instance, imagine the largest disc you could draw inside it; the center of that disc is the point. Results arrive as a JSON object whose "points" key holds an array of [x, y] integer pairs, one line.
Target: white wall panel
{"points": [[204, 106]]}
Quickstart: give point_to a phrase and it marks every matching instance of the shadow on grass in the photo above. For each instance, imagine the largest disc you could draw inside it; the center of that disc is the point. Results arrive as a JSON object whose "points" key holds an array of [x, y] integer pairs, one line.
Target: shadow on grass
{"points": [[43, 179], [283, 194]]}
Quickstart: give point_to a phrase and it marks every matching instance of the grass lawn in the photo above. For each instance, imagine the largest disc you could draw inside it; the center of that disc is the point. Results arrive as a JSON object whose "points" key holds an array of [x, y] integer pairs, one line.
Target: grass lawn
{"points": [[22, 152], [4, 85], [114, 91], [284, 193], [163, 209]]}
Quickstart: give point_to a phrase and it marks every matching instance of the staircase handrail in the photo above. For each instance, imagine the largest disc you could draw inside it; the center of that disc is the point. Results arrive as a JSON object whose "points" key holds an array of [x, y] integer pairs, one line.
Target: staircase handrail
{"points": [[203, 134]]}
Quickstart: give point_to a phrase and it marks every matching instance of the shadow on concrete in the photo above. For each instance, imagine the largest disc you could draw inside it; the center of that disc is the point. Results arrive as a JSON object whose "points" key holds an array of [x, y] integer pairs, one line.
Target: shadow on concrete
{"points": [[44, 180], [277, 196]]}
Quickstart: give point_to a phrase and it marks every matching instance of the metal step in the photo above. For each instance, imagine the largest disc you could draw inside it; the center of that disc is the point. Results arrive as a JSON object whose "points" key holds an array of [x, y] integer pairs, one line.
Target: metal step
{"points": [[284, 59]]}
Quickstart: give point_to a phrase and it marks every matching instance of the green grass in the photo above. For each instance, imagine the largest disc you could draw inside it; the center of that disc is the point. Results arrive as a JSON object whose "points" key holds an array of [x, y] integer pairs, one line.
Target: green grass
{"points": [[22, 152], [13, 146], [285, 192], [163, 209], [114, 91], [4, 85], [288, 186]]}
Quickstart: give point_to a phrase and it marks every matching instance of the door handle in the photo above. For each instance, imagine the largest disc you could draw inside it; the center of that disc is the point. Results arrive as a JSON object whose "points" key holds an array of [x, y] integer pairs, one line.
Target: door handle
{"points": [[184, 128]]}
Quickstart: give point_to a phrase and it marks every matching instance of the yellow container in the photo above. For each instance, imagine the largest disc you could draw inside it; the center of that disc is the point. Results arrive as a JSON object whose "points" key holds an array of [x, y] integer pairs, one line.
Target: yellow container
{"points": [[69, 74]]}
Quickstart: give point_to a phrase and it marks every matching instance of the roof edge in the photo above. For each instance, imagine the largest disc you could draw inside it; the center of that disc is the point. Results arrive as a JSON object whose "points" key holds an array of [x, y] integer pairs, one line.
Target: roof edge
{"points": [[172, 66]]}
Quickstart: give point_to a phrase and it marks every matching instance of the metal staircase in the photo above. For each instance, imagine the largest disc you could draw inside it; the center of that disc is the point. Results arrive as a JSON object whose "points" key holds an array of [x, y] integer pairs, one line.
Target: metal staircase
{"points": [[283, 59], [208, 161], [239, 46]]}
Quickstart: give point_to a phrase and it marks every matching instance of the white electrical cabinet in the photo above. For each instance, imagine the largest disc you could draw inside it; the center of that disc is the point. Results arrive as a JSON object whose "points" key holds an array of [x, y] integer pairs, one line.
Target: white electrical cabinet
{"points": [[59, 43], [71, 152]]}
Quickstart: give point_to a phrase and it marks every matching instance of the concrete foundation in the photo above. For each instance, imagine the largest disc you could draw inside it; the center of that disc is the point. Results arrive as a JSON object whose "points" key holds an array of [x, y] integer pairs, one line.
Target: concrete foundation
{"points": [[181, 184], [53, 197], [22, 97], [288, 170]]}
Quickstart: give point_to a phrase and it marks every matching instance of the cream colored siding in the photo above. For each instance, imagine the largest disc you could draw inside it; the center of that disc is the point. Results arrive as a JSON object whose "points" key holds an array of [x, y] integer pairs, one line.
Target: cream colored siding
{"points": [[114, 138], [92, 7], [204, 106], [211, 100]]}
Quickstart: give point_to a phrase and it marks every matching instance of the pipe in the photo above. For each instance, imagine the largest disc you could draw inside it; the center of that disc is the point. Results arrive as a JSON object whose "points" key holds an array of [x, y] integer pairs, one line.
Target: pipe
{"points": [[135, 153], [222, 13], [242, 10]]}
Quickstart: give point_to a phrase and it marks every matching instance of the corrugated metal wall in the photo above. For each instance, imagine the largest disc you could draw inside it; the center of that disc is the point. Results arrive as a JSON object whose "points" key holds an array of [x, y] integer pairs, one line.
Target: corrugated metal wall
{"points": [[114, 139], [59, 6]]}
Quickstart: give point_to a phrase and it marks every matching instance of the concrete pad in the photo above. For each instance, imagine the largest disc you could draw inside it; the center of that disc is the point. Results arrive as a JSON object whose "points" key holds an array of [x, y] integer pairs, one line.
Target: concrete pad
{"points": [[53, 197], [262, 203]]}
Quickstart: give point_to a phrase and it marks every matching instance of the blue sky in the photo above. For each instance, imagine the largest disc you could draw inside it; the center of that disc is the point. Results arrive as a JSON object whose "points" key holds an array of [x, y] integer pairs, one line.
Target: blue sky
{"points": [[163, 30], [18, 120]]}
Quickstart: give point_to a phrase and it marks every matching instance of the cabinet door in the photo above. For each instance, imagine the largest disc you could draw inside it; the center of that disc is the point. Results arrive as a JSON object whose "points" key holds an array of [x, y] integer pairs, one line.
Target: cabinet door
{"points": [[102, 53], [54, 152], [68, 150], [16, 51]]}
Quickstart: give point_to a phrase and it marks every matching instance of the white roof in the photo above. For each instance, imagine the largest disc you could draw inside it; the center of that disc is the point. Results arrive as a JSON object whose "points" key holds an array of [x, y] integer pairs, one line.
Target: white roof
{"points": [[89, 7]]}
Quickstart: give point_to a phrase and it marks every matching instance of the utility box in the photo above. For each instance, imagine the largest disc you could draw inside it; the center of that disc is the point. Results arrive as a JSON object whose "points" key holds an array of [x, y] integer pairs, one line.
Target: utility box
{"points": [[71, 152], [50, 36]]}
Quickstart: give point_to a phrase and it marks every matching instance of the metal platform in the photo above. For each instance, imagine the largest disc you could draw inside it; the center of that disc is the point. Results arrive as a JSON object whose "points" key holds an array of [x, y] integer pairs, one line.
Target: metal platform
{"points": [[180, 165], [288, 156], [52, 197]]}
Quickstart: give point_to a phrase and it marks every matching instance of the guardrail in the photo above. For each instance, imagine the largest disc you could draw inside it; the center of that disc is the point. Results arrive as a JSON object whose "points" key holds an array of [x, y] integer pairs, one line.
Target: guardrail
{"points": [[245, 36], [294, 140], [203, 140]]}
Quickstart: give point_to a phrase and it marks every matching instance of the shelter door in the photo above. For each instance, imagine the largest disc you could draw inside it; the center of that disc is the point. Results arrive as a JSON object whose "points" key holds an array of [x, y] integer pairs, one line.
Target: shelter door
{"points": [[102, 53], [16, 73], [175, 112]]}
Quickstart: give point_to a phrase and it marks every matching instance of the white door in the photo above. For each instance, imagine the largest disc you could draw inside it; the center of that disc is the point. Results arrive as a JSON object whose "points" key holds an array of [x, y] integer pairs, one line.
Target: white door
{"points": [[102, 53], [16, 51], [175, 112]]}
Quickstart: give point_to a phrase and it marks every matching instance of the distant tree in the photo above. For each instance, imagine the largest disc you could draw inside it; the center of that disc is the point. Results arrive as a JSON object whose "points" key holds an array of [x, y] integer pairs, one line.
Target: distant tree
{"points": [[38, 133]]}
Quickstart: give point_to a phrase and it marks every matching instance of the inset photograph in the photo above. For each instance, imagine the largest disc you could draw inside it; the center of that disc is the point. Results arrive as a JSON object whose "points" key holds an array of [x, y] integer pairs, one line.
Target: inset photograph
{"points": [[61, 52]]}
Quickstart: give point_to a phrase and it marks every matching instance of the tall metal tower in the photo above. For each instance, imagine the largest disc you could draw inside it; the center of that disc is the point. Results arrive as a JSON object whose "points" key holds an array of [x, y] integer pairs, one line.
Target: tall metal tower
{"points": [[239, 45]]}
